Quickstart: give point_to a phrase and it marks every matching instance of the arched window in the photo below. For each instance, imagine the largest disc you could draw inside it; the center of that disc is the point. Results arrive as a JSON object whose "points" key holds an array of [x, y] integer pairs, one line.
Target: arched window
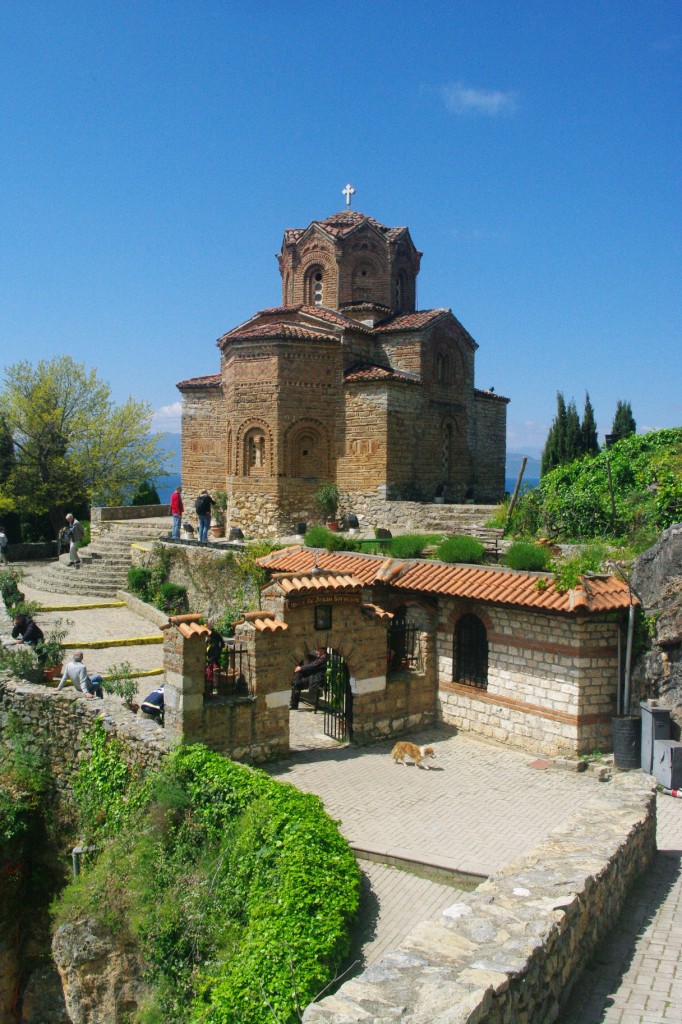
{"points": [[255, 453], [400, 290], [314, 291], [471, 652], [307, 456], [443, 368]]}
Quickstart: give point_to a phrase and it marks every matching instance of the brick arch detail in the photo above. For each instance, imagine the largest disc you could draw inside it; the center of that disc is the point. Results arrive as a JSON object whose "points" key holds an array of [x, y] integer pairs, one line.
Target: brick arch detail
{"points": [[294, 431], [470, 609], [244, 429]]}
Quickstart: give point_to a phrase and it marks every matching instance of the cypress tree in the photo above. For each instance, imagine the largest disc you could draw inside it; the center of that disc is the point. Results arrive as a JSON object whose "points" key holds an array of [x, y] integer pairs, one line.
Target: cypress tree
{"points": [[555, 446], [623, 422], [572, 442], [588, 430]]}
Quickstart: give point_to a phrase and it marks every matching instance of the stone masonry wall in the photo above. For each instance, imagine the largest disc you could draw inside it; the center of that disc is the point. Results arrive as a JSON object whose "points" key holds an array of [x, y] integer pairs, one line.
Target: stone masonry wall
{"points": [[512, 950], [490, 433], [59, 722], [114, 513], [552, 679]]}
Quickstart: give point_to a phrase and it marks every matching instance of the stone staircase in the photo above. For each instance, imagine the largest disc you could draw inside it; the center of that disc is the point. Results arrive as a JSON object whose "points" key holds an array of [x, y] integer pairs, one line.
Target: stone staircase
{"points": [[104, 562]]}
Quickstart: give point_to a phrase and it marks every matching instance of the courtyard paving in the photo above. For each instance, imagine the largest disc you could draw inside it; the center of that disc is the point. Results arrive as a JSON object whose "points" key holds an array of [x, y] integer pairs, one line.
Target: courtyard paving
{"points": [[478, 807]]}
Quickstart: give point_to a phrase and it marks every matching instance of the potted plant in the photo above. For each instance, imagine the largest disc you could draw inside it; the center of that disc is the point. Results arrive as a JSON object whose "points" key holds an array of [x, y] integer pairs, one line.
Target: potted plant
{"points": [[219, 509], [327, 499], [51, 650]]}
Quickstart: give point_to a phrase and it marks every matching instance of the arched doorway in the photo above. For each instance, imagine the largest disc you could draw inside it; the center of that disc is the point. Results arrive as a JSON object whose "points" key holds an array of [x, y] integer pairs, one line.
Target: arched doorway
{"points": [[324, 686]]}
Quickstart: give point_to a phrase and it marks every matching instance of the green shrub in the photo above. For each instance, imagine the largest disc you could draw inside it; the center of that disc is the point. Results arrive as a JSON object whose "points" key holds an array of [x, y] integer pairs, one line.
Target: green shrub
{"points": [[461, 549], [238, 892], [120, 681], [573, 503], [589, 560], [411, 545], [171, 597], [321, 537], [140, 581], [524, 555]]}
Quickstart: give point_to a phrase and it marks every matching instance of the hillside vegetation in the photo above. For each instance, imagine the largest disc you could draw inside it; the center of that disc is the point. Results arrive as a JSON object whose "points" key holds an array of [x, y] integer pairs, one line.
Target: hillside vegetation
{"points": [[572, 503], [236, 891]]}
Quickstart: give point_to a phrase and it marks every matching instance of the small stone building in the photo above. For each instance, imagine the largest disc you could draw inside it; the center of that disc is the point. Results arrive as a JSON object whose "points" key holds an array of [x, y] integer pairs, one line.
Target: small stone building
{"points": [[496, 652], [347, 382], [501, 653]]}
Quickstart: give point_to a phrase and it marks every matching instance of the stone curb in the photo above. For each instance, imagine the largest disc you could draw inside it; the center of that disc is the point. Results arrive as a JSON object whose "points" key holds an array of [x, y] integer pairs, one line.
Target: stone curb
{"points": [[81, 607], [446, 870], [97, 645]]}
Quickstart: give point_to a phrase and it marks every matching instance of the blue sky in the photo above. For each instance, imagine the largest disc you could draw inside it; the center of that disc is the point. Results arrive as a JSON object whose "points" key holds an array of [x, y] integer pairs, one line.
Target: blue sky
{"points": [[153, 153]]}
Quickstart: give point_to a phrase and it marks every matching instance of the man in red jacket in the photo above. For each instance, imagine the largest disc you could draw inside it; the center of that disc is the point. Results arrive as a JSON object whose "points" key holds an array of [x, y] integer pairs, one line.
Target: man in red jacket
{"points": [[177, 508]]}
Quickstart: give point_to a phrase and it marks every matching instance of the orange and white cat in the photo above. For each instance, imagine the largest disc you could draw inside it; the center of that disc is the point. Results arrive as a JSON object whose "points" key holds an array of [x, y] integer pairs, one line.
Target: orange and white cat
{"points": [[404, 749]]}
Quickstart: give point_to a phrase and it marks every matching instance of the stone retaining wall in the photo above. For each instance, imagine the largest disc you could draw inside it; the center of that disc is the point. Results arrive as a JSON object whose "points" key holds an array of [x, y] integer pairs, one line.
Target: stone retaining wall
{"points": [[58, 721], [511, 950], [115, 513]]}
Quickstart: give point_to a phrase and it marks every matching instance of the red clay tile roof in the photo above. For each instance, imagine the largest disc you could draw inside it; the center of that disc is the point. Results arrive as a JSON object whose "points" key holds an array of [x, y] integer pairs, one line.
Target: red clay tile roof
{"points": [[490, 394], [493, 584], [276, 329], [326, 581], [299, 560], [339, 224], [371, 372], [263, 621], [212, 380], [410, 321]]}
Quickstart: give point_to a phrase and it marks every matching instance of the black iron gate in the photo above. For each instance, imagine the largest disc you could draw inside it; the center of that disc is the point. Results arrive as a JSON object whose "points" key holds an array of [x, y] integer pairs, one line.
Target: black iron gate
{"points": [[338, 699]]}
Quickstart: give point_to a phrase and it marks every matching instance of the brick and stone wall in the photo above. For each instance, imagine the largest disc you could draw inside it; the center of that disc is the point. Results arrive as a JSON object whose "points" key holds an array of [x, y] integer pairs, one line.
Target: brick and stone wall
{"points": [[552, 679], [490, 445], [512, 950]]}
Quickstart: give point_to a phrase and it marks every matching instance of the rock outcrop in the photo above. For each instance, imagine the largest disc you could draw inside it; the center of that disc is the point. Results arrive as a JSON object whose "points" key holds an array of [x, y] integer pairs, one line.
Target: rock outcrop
{"points": [[100, 973], [657, 581]]}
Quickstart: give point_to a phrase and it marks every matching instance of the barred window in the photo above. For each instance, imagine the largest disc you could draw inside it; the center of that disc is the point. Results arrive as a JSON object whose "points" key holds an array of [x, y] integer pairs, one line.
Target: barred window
{"points": [[471, 652]]}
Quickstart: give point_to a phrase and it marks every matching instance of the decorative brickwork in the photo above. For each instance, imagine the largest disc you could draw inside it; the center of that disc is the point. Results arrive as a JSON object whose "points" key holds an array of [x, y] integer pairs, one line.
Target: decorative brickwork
{"points": [[344, 382]]}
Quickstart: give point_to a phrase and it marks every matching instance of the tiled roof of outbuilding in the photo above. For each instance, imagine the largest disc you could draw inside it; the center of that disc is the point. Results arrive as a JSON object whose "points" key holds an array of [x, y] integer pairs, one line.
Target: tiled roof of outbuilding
{"points": [[490, 394], [481, 583], [325, 581]]}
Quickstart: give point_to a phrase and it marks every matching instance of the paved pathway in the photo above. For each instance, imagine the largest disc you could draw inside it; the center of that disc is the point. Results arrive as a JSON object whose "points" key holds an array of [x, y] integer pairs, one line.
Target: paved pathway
{"points": [[637, 976], [478, 806]]}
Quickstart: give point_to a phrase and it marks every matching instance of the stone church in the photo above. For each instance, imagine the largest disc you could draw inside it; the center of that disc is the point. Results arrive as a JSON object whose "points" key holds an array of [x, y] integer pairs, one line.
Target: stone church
{"points": [[345, 381]]}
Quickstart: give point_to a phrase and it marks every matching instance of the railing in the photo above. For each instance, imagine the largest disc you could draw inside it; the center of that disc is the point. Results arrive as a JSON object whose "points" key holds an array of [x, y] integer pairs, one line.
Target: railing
{"points": [[231, 677], [404, 648]]}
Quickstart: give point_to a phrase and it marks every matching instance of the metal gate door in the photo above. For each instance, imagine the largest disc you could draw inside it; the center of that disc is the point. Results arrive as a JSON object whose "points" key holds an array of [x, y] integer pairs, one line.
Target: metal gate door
{"points": [[338, 702]]}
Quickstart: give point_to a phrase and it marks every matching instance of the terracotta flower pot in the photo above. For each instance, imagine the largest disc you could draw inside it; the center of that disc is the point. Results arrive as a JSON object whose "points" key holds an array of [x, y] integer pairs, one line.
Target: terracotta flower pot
{"points": [[333, 525]]}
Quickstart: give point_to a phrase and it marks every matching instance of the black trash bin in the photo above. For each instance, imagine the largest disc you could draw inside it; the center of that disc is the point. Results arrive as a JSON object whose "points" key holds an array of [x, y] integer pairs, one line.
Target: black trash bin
{"points": [[627, 742]]}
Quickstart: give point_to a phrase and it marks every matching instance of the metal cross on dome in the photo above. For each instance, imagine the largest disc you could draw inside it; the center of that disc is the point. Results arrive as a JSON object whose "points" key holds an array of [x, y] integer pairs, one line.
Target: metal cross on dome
{"points": [[348, 191]]}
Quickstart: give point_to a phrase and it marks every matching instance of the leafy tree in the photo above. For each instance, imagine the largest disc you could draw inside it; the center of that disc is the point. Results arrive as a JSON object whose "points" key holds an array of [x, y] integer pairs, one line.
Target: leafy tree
{"points": [[6, 450], [623, 422], [71, 442], [588, 430]]}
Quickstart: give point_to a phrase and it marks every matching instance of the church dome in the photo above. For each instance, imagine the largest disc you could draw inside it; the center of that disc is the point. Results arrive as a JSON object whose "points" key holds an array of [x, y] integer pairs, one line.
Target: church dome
{"points": [[349, 259]]}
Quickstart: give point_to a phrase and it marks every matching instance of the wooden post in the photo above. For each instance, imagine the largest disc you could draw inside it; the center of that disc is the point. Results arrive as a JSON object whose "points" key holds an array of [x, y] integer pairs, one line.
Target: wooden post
{"points": [[524, 460]]}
